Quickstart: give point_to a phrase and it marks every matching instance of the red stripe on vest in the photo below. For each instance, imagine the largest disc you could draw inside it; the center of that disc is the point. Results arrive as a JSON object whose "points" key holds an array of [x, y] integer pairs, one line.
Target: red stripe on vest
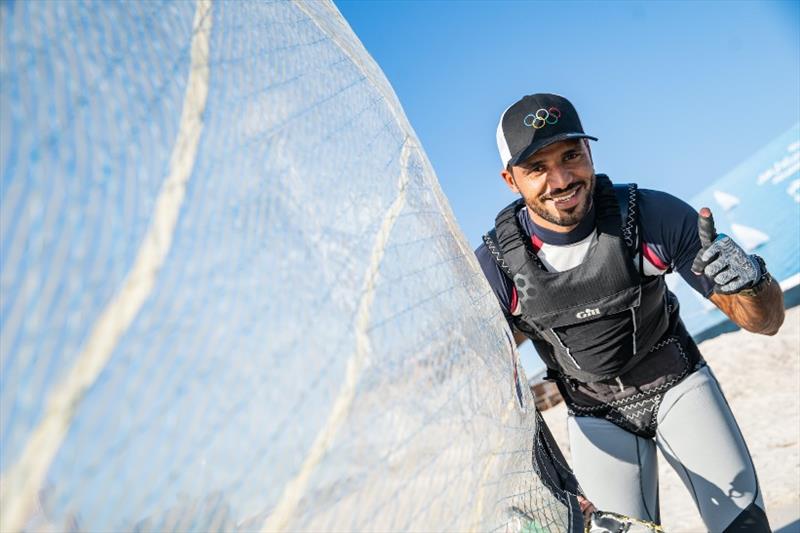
{"points": [[513, 300], [651, 256], [537, 243]]}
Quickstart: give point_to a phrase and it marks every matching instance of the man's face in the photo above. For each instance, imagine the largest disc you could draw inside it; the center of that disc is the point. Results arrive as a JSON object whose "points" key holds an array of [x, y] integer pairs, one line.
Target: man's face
{"points": [[556, 182]]}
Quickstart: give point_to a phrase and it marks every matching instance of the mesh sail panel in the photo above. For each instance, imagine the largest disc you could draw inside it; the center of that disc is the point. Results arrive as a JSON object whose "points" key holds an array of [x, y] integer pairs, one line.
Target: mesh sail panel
{"points": [[233, 294]]}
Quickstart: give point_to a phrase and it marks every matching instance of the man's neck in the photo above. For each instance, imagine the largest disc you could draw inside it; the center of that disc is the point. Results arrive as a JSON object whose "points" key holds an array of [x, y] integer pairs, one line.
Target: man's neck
{"points": [[558, 236], [547, 225]]}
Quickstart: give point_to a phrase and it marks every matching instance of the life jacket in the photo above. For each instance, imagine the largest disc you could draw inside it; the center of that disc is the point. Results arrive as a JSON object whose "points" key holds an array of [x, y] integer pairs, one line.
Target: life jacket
{"points": [[593, 324]]}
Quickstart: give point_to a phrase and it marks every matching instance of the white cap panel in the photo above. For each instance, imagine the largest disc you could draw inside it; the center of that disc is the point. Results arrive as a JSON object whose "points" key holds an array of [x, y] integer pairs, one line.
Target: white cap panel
{"points": [[502, 146]]}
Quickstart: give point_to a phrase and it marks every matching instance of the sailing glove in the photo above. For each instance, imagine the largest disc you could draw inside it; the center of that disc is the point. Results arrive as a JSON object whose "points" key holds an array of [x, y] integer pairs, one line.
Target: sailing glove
{"points": [[724, 261]]}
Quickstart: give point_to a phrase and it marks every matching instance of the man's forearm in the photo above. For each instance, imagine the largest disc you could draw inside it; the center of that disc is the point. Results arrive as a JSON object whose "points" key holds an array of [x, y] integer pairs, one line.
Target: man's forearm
{"points": [[762, 313]]}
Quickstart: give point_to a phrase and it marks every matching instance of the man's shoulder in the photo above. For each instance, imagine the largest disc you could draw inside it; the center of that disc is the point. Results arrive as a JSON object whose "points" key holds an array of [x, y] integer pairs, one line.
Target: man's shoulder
{"points": [[498, 281], [664, 208], [655, 201], [487, 258], [649, 195], [657, 195]]}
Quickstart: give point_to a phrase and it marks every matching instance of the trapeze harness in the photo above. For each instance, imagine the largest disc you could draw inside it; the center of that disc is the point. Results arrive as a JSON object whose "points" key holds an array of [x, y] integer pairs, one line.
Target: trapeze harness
{"points": [[610, 336]]}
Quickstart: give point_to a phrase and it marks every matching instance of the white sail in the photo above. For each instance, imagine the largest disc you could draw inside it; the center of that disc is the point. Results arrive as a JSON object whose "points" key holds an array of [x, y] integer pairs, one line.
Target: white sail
{"points": [[725, 200], [747, 237], [234, 296]]}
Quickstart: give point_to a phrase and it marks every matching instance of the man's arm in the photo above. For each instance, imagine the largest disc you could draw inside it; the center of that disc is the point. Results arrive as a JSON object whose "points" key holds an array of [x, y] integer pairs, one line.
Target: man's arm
{"points": [[743, 290], [762, 313]]}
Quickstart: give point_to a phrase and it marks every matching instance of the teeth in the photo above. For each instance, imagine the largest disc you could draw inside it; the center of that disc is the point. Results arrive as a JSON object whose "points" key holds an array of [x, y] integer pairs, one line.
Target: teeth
{"points": [[565, 198]]}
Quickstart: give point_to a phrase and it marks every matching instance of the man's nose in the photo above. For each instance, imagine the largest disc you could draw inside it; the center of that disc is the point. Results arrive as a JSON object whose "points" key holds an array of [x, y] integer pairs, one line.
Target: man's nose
{"points": [[558, 178]]}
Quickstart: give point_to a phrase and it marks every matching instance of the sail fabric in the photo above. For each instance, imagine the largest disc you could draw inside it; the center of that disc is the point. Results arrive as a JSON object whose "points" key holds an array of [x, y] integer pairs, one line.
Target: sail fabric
{"points": [[233, 294]]}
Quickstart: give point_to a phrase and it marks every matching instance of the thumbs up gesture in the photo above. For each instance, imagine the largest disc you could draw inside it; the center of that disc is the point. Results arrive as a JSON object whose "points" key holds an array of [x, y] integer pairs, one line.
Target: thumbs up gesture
{"points": [[722, 260]]}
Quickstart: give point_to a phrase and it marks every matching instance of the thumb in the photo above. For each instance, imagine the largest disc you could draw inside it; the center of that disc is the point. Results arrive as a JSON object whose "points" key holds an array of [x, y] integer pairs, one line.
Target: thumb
{"points": [[707, 233], [705, 227]]}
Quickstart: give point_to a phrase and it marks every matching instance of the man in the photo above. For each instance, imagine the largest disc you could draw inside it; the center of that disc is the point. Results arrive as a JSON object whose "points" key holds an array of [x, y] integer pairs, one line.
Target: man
{"points": [[578, 267]]}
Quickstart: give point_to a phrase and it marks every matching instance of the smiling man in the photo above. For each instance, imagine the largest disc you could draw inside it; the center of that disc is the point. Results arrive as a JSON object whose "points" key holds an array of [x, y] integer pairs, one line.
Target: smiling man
{"points": [[577, 265]]}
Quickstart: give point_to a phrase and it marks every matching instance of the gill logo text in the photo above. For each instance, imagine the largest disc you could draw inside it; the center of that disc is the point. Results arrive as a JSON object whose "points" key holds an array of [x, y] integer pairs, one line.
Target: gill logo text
{"points": [[587, 313]]}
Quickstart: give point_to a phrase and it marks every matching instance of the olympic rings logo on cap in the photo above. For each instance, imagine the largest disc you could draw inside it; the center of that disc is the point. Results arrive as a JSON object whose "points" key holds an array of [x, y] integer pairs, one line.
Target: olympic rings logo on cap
{"points": [[542, 117]]}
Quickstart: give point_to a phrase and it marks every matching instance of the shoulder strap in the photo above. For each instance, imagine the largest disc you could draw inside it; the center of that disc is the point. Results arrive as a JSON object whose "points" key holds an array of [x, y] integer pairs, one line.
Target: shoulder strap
{"points": [[628, 198], [490, 240], [508, 243]]}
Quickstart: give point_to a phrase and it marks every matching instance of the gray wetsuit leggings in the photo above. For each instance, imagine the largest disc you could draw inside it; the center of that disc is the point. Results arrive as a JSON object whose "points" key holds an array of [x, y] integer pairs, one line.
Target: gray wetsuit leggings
{"points": [[702, 442]]}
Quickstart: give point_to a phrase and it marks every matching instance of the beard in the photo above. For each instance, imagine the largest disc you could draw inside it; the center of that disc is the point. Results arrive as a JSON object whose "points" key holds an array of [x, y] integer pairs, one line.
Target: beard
{"points": [[565, 218]]}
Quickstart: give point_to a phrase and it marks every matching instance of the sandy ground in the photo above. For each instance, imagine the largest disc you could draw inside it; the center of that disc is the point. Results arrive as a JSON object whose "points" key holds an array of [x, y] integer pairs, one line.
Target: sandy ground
{"points": [[760, 377]]}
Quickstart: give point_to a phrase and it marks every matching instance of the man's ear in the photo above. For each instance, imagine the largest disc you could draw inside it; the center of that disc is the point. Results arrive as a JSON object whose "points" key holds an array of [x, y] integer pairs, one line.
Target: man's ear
{"points": [[508, 177]]}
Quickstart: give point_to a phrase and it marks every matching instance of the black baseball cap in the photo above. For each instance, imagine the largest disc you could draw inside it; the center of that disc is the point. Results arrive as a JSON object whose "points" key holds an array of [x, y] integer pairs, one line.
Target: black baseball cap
{"points": [[533, 122]]}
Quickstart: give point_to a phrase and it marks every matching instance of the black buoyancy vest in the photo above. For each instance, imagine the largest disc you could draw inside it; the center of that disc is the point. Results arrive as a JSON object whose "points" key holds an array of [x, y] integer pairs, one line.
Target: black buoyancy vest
{"points": [[599, 319]]}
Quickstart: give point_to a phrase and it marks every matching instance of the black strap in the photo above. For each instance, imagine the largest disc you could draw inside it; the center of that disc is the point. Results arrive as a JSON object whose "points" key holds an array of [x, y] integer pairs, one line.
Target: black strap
{"points": [[628, 198], [490, 240], [511, 239]]}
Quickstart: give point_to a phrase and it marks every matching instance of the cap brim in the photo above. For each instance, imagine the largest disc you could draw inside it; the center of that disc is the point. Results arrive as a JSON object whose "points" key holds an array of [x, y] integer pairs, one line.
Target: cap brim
{"points": [[538, 145]]}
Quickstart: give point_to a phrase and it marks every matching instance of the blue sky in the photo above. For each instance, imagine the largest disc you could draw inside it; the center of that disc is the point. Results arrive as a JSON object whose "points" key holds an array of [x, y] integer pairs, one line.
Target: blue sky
{"points": [[678, 93]]}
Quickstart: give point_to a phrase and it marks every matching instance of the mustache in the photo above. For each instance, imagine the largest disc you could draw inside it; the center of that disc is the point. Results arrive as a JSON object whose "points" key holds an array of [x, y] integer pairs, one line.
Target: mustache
{"points": [[558, 192]]}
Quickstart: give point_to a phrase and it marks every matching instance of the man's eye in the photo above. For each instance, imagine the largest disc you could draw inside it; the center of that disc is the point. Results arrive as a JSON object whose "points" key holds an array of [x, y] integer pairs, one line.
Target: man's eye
{"points": [[571, 155], [535, 169]]}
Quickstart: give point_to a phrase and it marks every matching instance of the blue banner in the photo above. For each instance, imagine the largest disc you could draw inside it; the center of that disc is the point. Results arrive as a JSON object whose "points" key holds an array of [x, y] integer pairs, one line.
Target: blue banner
{"points": [[758, 205]]}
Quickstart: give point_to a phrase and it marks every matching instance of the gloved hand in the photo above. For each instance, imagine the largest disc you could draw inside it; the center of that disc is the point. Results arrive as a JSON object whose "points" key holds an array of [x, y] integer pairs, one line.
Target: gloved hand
{"points": [[722, 260]]}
